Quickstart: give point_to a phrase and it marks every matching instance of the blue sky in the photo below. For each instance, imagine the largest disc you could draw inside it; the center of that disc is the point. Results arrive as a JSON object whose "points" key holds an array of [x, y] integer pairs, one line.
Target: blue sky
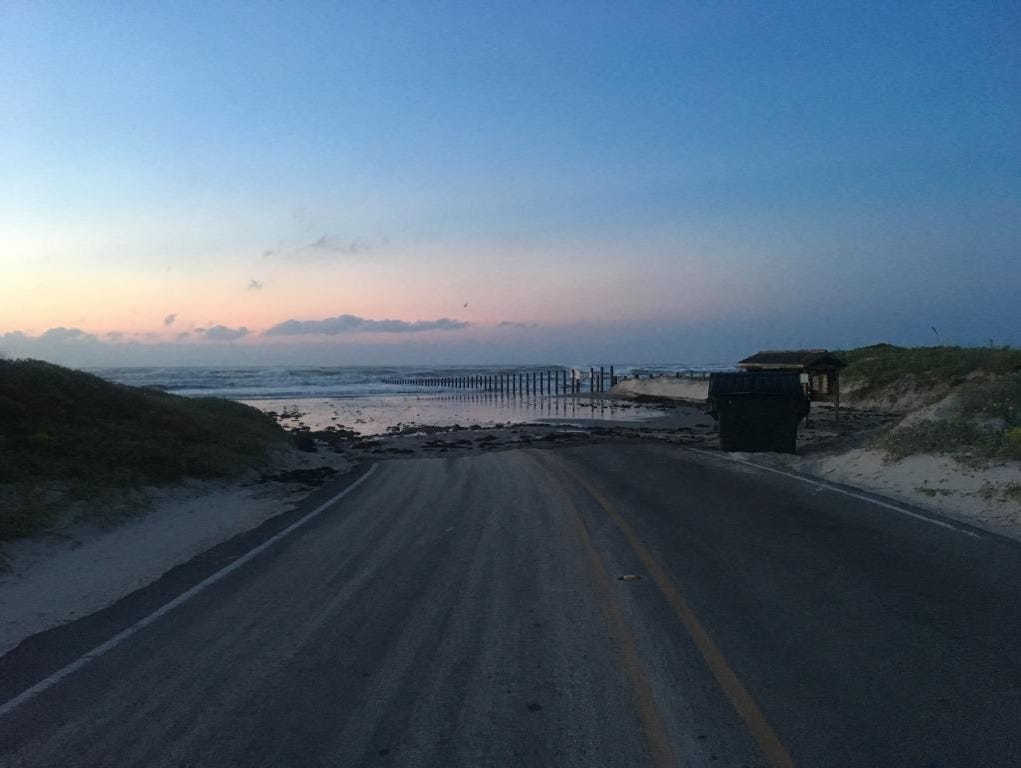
{"points": [[505, 182]]}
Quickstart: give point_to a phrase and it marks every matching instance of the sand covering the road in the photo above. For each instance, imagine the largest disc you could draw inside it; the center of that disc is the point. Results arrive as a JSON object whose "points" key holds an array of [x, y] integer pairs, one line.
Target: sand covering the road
{"points": [[976, 495], [80, 568], [987, 495]]}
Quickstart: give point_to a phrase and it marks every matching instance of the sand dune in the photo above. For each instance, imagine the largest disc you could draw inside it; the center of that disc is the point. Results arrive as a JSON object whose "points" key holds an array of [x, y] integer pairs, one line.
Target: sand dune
{"points": [[988, 495]]}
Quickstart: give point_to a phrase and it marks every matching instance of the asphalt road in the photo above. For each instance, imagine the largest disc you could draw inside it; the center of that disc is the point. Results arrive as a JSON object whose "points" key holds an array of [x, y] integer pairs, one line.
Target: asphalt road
{"points": [[603, 605]]}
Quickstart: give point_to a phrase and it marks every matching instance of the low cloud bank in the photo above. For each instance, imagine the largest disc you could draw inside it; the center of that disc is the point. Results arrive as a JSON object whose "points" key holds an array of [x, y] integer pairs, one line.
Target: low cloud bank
{"points": [[223, 333], [62, 335], [333, 326], [216, 343], [73, 346]]}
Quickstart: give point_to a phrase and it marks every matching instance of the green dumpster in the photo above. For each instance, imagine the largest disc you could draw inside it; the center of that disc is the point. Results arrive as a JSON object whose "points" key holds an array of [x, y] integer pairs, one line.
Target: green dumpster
{"points": [[757, 411]]}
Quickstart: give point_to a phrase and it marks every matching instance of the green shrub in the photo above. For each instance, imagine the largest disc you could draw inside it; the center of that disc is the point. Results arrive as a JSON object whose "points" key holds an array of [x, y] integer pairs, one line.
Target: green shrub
{"points": [[960, 437], [82, 432], [876, 367], [996, 399], [989, 403]]}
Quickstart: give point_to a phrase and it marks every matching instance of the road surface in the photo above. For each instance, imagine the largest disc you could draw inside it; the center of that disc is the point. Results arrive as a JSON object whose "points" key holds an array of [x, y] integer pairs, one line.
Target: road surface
{"points": [[605, 605]]}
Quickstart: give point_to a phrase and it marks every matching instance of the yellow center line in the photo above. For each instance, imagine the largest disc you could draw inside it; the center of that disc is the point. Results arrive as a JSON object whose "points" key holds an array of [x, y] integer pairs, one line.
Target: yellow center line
{"points": [[661, 751], [739, 696]]}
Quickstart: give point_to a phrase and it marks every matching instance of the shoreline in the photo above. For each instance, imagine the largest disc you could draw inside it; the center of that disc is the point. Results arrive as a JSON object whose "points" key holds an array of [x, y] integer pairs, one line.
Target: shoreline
{"points": [[372, 415]]}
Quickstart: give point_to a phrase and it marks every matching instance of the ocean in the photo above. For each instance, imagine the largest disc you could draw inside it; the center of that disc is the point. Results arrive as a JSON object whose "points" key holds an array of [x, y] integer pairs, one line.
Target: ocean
{"points": [[373, 400]]}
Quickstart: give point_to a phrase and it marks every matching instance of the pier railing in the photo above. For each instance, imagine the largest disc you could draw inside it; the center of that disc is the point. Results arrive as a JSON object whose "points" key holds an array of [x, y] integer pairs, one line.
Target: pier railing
{"points": [[555, 381]]}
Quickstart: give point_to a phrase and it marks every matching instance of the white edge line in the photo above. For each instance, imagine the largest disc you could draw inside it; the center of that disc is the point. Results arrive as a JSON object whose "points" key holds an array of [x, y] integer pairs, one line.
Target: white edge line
{"points": [[113, 642], [822, 484]]}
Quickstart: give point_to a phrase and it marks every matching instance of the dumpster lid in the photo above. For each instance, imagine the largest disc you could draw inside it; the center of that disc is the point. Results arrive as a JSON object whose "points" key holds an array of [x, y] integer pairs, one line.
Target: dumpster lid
{"points": [[760, 383]]}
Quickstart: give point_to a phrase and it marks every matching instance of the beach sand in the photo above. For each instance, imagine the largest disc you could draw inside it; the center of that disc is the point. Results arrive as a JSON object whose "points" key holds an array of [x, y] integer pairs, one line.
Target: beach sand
{"points": [[987, 495], [377, 415], [81, 567], [674, 387], [979, 495]]}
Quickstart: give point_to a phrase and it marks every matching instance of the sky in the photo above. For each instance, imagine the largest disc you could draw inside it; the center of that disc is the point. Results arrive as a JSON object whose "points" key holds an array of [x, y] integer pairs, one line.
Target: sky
{"points": [[353, 183]]}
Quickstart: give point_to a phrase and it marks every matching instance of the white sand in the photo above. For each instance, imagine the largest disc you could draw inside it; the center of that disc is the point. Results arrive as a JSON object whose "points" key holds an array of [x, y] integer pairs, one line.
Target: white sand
{"points": [[907, 396], [663, 386], [938, 482], [60, 577]]}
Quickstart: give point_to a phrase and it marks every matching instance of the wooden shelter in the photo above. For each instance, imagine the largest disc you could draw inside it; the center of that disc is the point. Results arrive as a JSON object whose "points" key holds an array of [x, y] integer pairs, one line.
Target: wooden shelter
{"points": [[819, 369]]}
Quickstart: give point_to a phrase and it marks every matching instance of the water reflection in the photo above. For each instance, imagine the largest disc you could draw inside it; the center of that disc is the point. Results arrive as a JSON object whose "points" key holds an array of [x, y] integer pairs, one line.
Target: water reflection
{"points": [[377, 414]]}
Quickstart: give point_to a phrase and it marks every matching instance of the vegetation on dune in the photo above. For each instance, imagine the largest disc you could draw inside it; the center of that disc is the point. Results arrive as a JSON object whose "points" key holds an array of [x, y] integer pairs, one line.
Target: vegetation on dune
{"points": [[965, 439], [72, 431], [875, 368], [985, 422]]}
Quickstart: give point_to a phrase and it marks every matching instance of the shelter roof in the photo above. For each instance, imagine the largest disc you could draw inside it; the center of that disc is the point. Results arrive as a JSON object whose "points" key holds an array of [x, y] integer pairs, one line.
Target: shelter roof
{"points": [[798, 359]]}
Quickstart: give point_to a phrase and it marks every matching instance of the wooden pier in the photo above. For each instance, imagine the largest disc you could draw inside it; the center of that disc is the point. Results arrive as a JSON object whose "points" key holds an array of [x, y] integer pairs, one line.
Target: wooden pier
{"points": [[554, 381]]}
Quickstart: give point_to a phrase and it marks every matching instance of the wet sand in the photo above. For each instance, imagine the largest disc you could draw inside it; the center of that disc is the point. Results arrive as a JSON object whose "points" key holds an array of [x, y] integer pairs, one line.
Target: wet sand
{"points": [[378, 415], [408, 426]]}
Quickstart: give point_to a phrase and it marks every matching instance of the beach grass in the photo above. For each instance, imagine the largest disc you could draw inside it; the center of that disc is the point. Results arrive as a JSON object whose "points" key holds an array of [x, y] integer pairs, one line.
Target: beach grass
{"points": [[986, 420], [966, 440], [874, 368], [66, 432]]}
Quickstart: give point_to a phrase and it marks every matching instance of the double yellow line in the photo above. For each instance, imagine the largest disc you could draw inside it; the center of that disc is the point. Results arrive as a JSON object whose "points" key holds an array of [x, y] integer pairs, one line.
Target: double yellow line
{"points": [[660, 748]]}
